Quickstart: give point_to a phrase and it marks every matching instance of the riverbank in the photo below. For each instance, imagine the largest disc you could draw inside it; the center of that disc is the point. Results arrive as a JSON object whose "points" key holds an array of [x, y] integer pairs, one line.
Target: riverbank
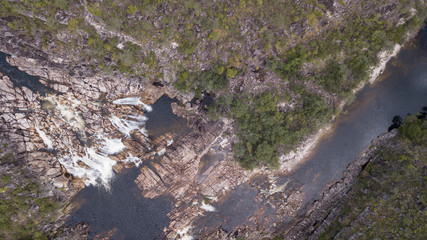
{"points": [[296, 157], [335, 192], [93, 123], [385, 201], [363, 201], [327, 205]]}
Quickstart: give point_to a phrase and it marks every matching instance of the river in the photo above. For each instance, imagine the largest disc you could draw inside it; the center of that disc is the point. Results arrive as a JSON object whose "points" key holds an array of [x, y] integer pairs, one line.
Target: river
{"points": [[123, 210], [400, 90]]}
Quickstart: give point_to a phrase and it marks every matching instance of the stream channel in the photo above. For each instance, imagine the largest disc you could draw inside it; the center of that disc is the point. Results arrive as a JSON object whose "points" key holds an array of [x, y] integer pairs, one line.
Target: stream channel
{"points": [[400, 90]]}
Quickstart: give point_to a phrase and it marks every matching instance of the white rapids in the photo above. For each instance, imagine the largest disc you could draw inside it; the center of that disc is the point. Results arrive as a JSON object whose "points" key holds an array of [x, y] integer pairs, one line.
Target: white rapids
{"points": [[133, 101], [207, 207], [94, 166], [125, 126], [131, 159], [69, 113], [112, 146], [99, 170], [45, 139]]}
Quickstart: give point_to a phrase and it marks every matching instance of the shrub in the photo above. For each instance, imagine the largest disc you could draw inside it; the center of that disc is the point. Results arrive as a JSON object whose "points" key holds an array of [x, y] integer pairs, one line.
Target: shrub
{"points": [[72, 23], [131, 9], [334, 78], [95, 9], [212, 80], [62, 4], [414, 129]]}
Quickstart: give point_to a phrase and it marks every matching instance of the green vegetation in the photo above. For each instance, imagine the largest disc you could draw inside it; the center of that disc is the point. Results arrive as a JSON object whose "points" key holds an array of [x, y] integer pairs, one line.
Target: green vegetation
{"points": [[414, 129], [263, 130], [25, 207], [208, 46], [390, 193], [212, 80], [349, 52], [201, 27]]}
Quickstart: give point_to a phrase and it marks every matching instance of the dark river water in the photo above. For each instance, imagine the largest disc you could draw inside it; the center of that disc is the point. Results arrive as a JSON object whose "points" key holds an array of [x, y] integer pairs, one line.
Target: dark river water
{"points": [[402, 89], [162, 120], [123, 209]]}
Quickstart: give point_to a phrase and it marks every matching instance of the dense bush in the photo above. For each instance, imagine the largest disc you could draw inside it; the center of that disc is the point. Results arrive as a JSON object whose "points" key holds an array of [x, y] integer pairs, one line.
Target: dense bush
{"points": [[352, 50], [287, 65], [24, 204], [264, 132], [212, 80], [25, 207], [335, 77], [414, 129]]}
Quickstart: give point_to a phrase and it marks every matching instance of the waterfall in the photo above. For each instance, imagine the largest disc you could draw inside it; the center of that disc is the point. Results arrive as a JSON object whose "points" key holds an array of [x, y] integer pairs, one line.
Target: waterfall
{"points": [[94, 165]]}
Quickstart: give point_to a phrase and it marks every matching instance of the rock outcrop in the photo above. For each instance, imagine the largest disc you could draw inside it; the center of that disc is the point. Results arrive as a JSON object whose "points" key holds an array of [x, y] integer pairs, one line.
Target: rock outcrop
{"points": [[80, 128], [61, 134], [76, 114], [78, 123]]}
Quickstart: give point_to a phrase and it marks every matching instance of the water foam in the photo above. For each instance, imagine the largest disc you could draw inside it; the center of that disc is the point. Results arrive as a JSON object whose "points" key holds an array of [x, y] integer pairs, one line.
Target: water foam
{"points": [[207, 207], [125, 126], [133, 101], [131, 159], [112, 146], [45, 139], [161, 152], [69, 115], [95, 166], [184, 233], [100, 169]]}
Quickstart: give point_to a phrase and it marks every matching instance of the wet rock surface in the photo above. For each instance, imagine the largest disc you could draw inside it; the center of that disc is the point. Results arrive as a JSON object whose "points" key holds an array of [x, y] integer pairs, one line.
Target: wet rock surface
{"points": [[88, 128], [71, 134], [48, 129], [59, 132]]}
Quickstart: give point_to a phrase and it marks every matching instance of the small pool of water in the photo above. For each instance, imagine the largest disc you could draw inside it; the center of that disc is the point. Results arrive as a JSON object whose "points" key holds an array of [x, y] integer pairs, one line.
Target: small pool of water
{"points": [[162, 120], [236, 207]]}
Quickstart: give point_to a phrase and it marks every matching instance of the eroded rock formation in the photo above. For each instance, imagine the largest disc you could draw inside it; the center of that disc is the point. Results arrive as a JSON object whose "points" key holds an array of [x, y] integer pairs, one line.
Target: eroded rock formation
{"points": [[84, 129]]}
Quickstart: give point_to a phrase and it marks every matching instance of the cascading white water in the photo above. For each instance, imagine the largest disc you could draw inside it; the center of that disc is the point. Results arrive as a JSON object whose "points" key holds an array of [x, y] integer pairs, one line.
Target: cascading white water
{"points": [[45, 139], [207, 207], [69, 113], [126, 126], [133, 101], [99, 171], [95, 166], [112, 146]]}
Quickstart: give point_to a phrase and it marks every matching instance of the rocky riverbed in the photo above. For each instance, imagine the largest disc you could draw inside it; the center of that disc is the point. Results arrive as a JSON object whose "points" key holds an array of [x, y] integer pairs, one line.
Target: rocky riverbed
{"points": [[75, 126], [77, 131], [83, 131]]}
